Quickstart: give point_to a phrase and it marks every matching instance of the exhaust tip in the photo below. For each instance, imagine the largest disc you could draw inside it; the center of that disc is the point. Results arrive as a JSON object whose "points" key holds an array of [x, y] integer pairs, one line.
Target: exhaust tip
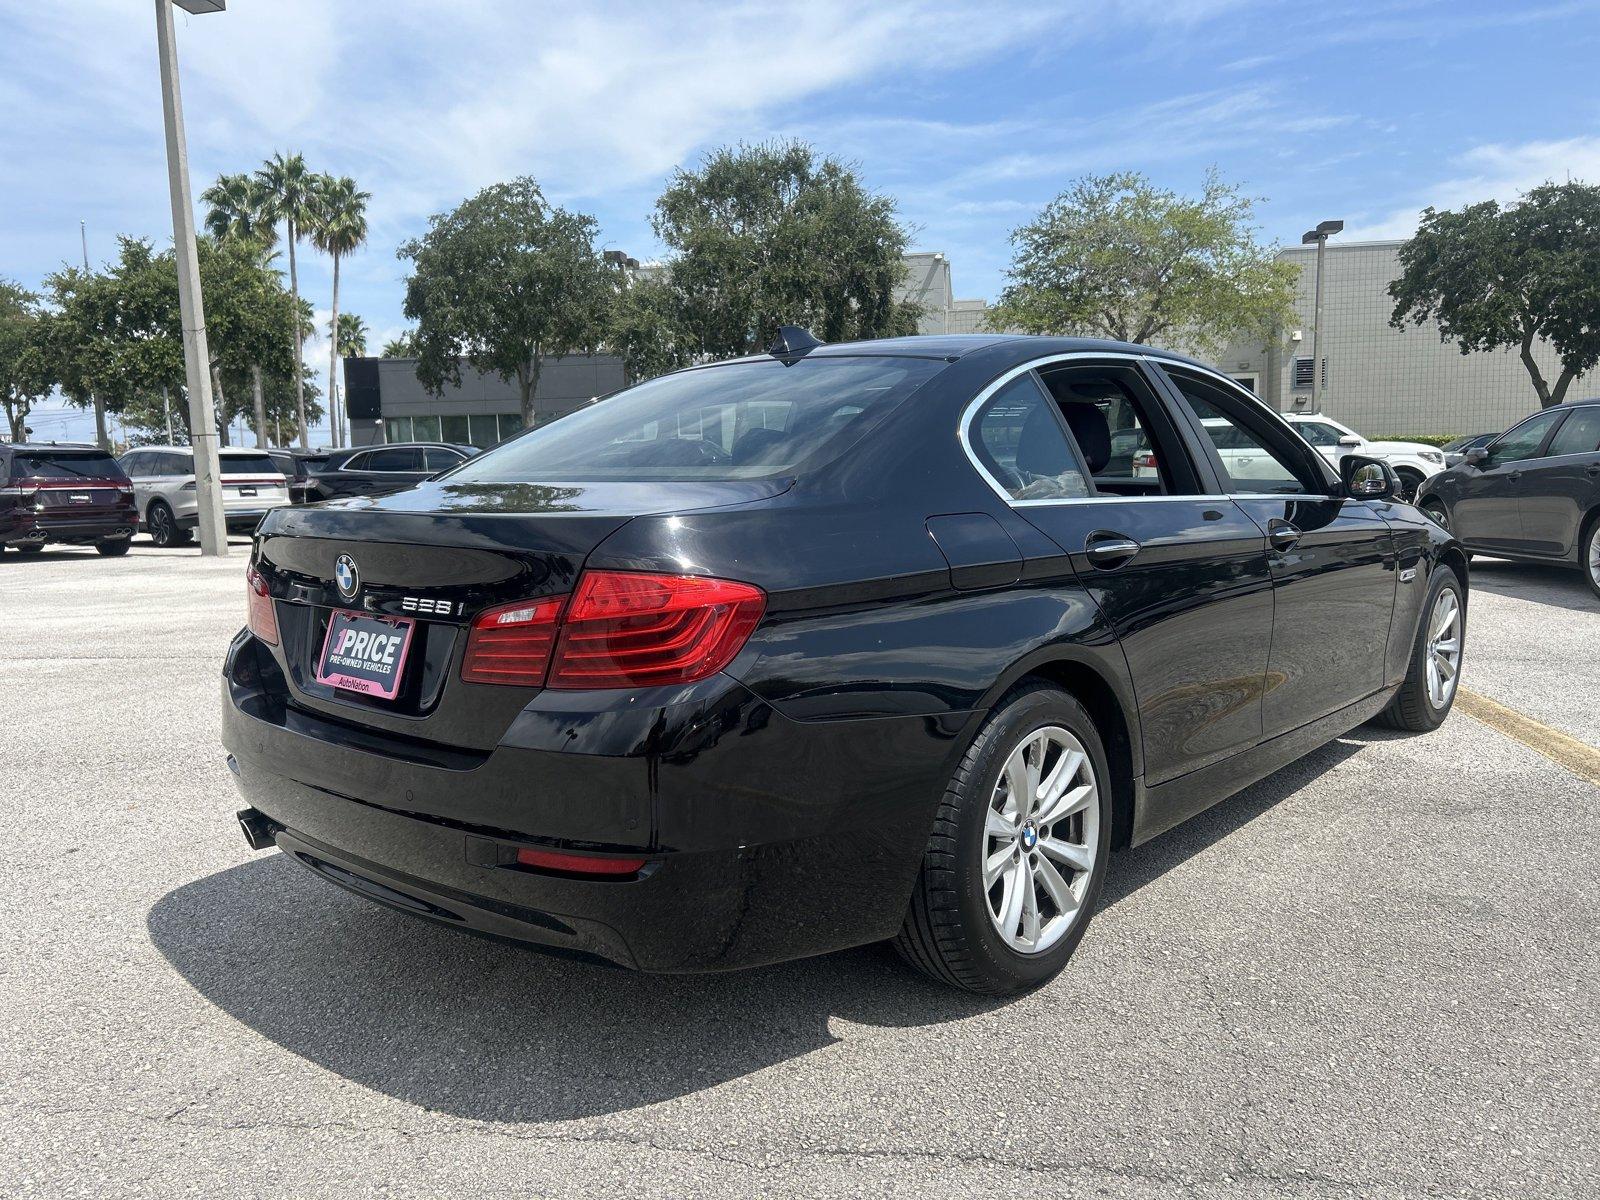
{"points": [[260, 830]]}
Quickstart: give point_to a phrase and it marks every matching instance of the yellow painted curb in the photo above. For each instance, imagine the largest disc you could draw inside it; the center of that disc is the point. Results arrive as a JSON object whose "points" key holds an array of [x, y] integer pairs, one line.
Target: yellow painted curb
{"points": [[1582, 759]]}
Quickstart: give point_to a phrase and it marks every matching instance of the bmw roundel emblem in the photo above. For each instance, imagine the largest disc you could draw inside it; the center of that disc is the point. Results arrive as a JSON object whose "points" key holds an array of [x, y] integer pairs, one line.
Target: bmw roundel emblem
{"points": [[346, 576], [1030, 836]]}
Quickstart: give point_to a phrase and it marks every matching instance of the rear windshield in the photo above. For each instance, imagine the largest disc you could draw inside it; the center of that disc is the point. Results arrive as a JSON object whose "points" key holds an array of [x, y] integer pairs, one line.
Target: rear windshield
{"points": [[65, 464], [740, 421], [249, 464]]}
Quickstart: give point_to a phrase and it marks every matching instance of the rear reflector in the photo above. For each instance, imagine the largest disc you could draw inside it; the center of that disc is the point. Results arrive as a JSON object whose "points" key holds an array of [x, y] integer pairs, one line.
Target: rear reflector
{"points": [[577, 864], [635, 630], [512, 644], [261, 617]]}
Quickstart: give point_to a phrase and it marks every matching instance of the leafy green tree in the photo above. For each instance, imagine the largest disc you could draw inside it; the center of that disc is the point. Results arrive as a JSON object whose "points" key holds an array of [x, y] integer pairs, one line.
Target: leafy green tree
{"points": [[238, 206], [504, 281], [24, 378], [404, 346], [340, 230], [352, 336], [762, 236], [1496, 277], [292, 193], [1115, 256], [77, 341]]}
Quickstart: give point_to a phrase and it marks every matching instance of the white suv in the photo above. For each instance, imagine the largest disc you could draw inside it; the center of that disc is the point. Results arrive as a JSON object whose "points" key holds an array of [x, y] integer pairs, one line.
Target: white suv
{"points": [[163, 488], [1412, 461]]}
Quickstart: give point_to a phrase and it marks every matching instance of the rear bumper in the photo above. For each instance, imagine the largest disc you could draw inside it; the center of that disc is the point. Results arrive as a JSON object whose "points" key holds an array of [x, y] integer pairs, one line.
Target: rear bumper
{"points": [[767, 838], [237, 519], [34, 529]]}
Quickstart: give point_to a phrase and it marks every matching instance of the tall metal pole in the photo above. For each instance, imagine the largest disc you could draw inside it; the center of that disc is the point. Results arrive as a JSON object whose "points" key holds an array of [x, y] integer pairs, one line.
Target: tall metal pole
{"points": [[166, 407], [196, 353], [83, 232], [1316, 331]]}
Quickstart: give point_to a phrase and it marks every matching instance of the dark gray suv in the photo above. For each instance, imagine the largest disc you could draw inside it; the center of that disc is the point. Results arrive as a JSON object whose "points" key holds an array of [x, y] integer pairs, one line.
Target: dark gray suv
{"points": [[1533, 493]]}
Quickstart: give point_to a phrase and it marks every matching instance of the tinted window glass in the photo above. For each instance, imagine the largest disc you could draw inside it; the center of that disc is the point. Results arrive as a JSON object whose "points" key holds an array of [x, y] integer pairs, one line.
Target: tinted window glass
{"points": [[1524, 440], [1317, 433], [1020, 441], [64, 464], [175, 463], [738, 421], [441, 460], [425, 429], [1254, 458], [397, 458], [455, 429], [1579, 433], [249, 464]]}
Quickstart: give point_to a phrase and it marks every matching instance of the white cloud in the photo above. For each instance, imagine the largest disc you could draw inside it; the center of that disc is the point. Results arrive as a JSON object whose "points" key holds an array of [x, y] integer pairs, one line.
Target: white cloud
{"points": [[1496, 171]]}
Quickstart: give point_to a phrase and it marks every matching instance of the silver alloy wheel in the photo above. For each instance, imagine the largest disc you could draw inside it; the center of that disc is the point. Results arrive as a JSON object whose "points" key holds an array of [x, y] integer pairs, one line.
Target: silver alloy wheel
{"points": [[1444, 648], [160, 524], [1040, 840], [1594, 554]]}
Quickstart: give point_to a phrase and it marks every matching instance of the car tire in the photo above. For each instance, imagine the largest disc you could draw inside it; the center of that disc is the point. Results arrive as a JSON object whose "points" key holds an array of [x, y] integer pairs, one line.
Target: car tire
{"points": [[1436, 512], [163, 526], [953, 926], [1410, 481], [1589, 553], [1426, 697], [114, 549], [31, 548]]}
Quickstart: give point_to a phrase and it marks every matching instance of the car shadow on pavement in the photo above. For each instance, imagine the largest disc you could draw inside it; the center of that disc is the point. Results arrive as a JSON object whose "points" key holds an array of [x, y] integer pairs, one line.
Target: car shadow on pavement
{"points": [[1561, 586], [496, 1032]]}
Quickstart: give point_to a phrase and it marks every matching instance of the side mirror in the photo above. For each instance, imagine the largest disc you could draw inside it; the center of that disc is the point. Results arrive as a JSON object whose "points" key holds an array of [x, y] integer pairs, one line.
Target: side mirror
{"points": [[1349, 439], [1476, 455], [1368, 478]]}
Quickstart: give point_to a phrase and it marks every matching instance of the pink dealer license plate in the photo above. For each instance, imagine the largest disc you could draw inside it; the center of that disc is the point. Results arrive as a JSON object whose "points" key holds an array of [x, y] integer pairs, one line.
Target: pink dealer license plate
{"points": [[363, 653]]}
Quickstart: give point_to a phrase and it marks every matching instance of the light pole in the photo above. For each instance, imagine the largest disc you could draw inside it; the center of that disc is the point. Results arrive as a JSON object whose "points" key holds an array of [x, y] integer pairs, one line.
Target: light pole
{"points": [[1320, 236], [196, 354]]}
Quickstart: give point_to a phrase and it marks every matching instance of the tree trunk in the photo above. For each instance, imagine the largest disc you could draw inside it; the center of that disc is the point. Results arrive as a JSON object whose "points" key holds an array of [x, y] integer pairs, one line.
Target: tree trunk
{"points": [[333, 359], [261, 407], [528, 383], [220, 404], [1539, 384], [17, 415], [299, 372], [100, 437]]}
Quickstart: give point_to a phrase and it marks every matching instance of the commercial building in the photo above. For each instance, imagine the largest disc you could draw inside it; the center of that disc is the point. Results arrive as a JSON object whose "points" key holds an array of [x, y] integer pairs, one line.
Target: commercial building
{"points": [[927, 282], [387, 403], [1378, 379]]}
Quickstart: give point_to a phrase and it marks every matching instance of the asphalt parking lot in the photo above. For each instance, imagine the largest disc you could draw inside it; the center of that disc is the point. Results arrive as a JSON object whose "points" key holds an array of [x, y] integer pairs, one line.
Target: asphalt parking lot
{"points": [[1374, 974]]}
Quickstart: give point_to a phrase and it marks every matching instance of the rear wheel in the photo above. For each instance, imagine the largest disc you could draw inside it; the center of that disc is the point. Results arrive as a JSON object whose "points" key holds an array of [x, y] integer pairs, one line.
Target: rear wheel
{"points": [[31, 548], [114, 549], [1589, 553], [163, 526], [1017, 855], [1424, 699]]}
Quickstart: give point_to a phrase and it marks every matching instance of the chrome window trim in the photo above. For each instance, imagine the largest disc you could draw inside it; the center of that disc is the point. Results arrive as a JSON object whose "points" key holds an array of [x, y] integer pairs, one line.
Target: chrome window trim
{"points": [[963, 431]]}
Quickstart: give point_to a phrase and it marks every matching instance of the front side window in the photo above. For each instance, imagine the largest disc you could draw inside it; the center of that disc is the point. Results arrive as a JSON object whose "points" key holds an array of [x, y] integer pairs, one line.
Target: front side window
{"points": [[1020, 442], [1318, 433], [1579, 434], [1523, 441], [1253, 460], [741, 420]]}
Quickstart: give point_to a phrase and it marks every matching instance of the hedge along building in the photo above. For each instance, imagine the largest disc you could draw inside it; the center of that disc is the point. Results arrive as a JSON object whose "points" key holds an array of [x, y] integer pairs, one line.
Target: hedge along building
{"points": [[1378, 379]]}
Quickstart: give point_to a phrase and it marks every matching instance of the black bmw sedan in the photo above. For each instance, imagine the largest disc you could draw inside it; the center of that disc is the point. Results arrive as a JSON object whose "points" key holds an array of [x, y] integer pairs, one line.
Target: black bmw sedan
{"points": [[833, 645], [1532, 493]]}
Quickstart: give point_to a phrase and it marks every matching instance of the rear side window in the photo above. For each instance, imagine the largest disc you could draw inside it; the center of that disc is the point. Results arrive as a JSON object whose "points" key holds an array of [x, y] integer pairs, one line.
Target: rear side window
{"points": [[1021, 444], [407, 458], [249, 464], [441, 460], [64, 464], [742, 420], [1579, 434]]}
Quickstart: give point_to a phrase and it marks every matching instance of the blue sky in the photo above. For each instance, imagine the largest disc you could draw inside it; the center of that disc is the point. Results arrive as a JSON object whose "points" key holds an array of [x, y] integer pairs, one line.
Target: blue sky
{"points": [[971, 115]]}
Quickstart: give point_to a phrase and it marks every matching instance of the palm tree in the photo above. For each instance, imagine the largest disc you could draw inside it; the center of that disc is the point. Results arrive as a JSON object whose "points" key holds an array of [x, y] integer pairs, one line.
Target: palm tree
{"points": [[291, 197], [237, 207], [340, 229], [352, 336]]}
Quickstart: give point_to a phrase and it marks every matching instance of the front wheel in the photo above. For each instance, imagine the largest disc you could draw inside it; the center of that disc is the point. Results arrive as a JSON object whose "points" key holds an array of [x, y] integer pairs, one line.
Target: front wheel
{"points": [[1410, 481], [1437, 513], [1590, 550], [1425, 698], [1017, 855], [163, 525]]}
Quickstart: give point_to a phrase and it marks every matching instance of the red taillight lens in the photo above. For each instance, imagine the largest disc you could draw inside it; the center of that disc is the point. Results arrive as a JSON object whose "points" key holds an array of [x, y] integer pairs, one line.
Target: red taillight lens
{"points": [[1144, 460], [633, 630], [579, 864], [261, 617], [511, 644]]}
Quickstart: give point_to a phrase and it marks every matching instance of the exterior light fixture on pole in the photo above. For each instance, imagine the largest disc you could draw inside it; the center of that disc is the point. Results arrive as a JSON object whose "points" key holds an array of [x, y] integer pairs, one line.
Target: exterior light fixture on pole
{"points": [[1320, 236], [196, 354]]}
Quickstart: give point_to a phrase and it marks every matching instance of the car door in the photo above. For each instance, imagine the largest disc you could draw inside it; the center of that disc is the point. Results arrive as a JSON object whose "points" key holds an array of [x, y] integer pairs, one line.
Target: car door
{"points": [[136, 465], [1560, 487], [1179, 575], [1332, 559], [1487, 514]]}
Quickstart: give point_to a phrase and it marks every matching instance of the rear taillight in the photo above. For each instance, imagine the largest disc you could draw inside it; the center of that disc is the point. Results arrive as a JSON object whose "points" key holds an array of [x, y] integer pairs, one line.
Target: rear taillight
{"points": [[263, 621], [1144, 460], [619, 629], [634, 630], [578, 864], [512, 644]]}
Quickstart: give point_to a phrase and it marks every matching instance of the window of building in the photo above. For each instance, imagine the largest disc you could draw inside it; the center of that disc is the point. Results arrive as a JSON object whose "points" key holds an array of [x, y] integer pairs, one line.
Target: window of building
{"points": [[425, 429], [467, 429], [457, 429]]}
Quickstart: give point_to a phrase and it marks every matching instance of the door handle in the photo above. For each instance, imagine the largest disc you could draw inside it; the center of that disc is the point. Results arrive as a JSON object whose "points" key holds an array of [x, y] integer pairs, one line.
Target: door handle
{"points": [[1514, 476], [1109, 550], [1282, 535], [1594, 469]]}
